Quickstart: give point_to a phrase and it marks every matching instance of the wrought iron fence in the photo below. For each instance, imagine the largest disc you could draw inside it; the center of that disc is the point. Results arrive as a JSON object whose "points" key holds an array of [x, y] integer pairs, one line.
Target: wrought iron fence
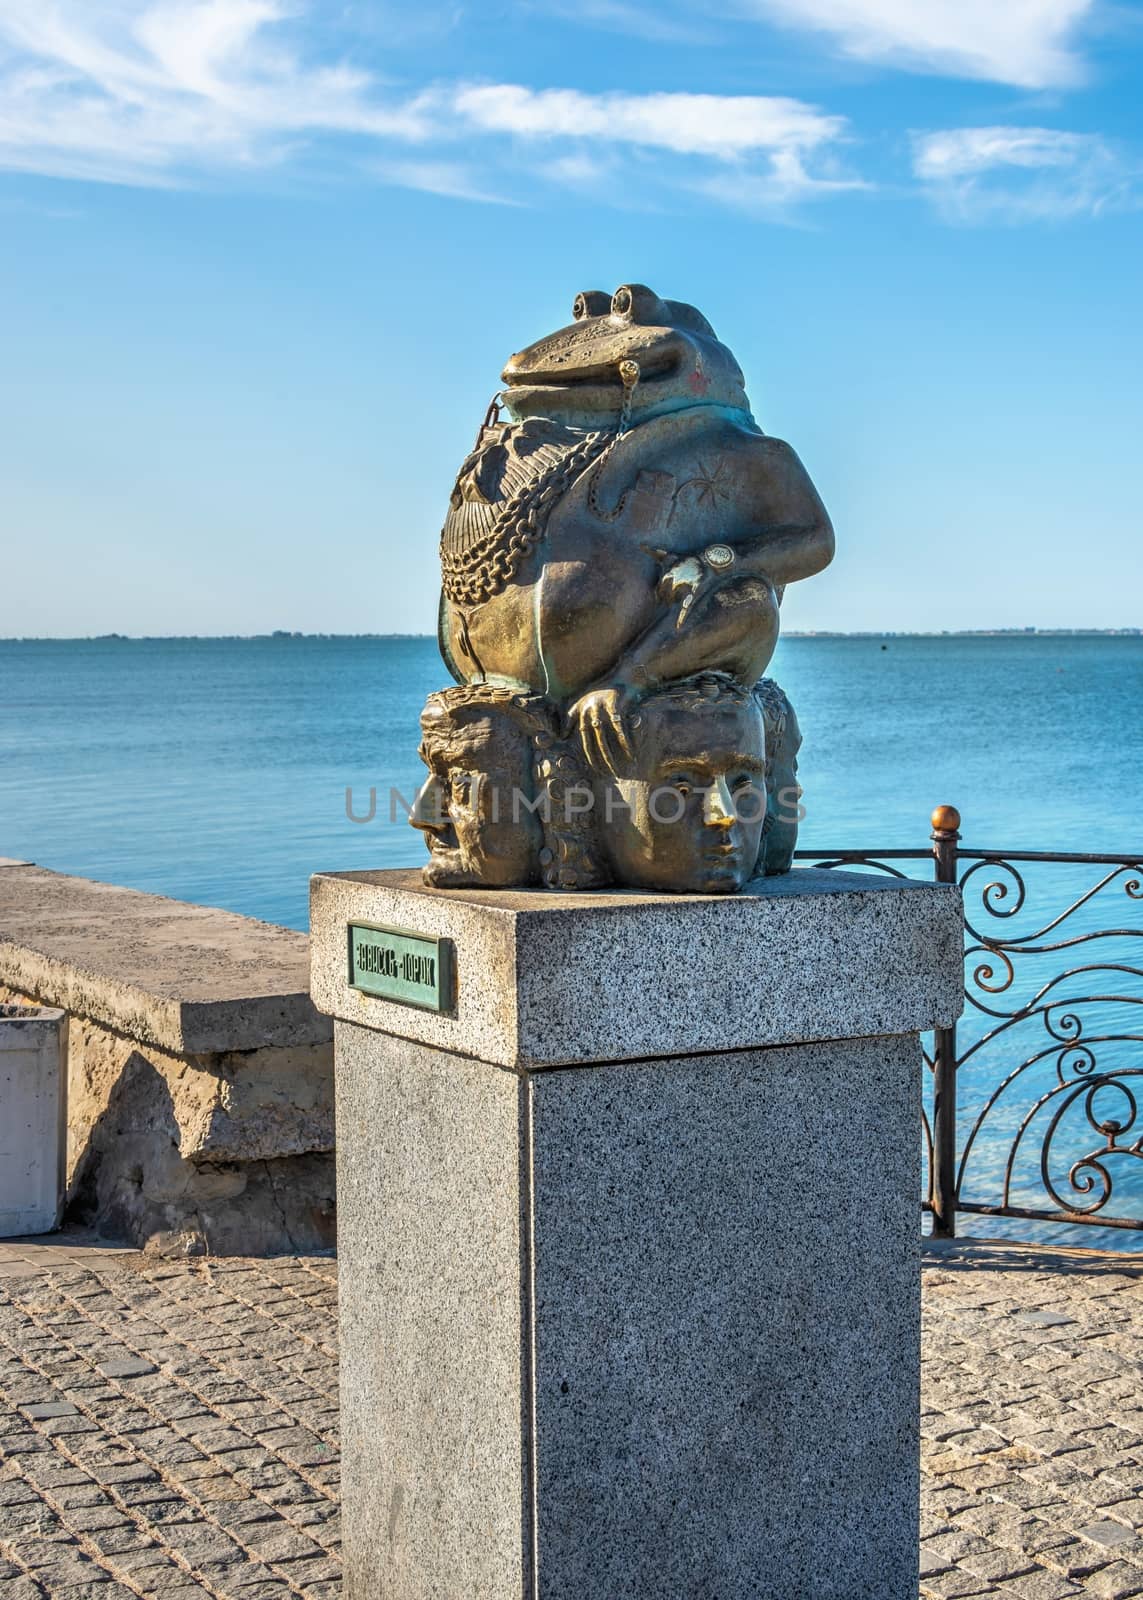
{"points": [[1031, 1111]]}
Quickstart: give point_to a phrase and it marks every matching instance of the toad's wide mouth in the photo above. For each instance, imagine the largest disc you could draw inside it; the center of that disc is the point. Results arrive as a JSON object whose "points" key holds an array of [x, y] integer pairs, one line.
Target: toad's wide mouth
{"points": [[602, 375], [588, 357], [587, 394]]}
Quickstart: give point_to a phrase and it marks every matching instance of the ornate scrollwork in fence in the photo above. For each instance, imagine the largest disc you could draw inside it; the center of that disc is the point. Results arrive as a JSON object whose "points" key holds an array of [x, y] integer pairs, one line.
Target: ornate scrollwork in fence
{"points": [[1072, 1041], [1057, 1134]]}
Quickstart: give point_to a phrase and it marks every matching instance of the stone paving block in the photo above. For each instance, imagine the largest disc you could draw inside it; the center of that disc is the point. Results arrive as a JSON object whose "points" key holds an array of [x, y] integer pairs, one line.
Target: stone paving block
{"points": [[146, 1558], [1116, 1581], [202, 1545], [1106, 1534], [51, 1408], [250, 1575], [1041, 1586], [1128, 1511], [996, 1565], [126, 1540], [216, 1492], [1032, 1493], [280, 1543], [126, 1473], [954, 1585], [91, 1519], [61, 1572], [933, 1561]]}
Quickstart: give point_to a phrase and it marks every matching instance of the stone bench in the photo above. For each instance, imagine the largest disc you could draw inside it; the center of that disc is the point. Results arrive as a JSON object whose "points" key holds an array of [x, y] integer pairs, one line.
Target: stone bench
{"points": [[200, 1076]]}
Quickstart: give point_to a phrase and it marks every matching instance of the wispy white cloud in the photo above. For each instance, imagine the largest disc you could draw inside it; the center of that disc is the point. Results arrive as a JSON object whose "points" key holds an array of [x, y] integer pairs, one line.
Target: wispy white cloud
{"points": [[659, 22], [782, 151], [1013, 174], [1028, 43], [144, 92], [580, 170], [777, 191], [723, 126], [162, 92], [167, 92], [449, 178]]}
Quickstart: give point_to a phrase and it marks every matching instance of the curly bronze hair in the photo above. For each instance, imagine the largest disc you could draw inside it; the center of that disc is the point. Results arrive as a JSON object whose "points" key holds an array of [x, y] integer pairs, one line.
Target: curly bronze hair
{"points": [[568, 856]]}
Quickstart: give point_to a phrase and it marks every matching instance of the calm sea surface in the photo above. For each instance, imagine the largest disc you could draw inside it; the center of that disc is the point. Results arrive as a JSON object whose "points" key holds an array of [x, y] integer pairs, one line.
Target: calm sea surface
{"points": [[217, 771]]}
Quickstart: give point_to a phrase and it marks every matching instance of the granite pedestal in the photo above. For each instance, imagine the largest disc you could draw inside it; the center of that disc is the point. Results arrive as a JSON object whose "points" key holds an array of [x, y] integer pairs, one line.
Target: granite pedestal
{"points": [[629, 1240]]}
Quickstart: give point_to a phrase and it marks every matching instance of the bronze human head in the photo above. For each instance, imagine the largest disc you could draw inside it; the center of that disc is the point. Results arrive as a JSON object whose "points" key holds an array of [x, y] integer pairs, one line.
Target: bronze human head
{"points": [[506, 803], [473, 808], [783, 791], [685, 809]]}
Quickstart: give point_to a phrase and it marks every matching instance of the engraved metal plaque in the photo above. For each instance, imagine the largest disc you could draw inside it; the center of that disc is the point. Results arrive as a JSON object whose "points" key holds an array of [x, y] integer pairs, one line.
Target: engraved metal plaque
{"points": [[407, 968]]}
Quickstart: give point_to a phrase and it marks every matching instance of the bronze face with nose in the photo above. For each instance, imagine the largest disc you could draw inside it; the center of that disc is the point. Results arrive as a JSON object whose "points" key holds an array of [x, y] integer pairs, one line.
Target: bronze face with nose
{"points": [[473, 807], [685, 811]]}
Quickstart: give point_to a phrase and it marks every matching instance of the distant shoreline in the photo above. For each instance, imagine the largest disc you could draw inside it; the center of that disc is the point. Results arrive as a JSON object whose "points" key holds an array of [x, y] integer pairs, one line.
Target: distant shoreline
{"points": [[965, 633], [791, 633]]}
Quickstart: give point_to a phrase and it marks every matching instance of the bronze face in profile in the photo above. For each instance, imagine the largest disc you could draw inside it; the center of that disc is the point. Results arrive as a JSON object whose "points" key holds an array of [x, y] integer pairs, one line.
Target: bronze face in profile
{"points": [[622, 534], [477, 745], [506, 803]]}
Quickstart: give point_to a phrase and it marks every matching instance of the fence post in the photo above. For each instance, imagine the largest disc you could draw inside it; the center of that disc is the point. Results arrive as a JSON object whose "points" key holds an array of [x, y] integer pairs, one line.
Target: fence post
{"points": [[946, 833]]}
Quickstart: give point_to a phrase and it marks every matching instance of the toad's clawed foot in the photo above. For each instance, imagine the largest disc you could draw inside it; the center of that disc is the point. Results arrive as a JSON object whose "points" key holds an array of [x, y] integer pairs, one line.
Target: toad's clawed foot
{"points": [[600, 719]]}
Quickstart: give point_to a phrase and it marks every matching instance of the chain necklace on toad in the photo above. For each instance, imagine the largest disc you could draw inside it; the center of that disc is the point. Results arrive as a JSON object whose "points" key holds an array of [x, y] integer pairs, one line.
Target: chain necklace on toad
{"points": [[482, 547]]}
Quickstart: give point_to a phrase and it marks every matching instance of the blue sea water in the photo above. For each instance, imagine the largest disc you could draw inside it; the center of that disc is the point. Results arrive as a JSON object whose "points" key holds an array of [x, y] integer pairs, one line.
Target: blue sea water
{"points": [[217, 770]]}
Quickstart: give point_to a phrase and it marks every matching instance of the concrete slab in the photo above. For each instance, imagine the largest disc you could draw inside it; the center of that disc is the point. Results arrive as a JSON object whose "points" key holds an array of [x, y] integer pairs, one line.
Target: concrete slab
{"points": [[33, 1117], [191, 979]]}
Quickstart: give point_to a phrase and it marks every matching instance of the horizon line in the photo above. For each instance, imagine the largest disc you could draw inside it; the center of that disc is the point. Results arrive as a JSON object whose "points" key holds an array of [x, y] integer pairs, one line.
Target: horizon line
{"points": [[793, 633]]}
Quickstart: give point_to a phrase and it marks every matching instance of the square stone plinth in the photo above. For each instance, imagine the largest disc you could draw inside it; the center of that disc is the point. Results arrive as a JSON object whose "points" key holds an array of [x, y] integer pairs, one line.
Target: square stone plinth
{"points": [[629, 1271], [547, 979]]}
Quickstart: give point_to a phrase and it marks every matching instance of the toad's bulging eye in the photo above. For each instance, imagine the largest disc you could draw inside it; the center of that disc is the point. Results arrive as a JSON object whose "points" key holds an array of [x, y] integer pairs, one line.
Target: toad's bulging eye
{"points": [[639, 304], [591, 303]]}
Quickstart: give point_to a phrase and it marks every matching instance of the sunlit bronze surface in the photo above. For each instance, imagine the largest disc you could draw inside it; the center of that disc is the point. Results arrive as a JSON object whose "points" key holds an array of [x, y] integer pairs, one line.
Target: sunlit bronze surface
{"points": [[618, 542], [946, 819]]}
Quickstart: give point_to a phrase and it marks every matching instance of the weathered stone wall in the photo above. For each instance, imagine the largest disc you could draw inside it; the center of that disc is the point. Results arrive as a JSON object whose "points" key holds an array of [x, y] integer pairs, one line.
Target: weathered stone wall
{"points": [[200, 1078]]}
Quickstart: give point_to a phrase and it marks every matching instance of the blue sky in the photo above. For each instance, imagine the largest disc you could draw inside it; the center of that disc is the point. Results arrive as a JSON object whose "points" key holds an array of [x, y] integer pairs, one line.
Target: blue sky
{"points": [[262, 263]]}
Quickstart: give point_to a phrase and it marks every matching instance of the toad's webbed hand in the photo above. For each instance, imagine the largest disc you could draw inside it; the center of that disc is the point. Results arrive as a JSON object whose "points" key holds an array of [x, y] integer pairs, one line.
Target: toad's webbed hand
{"points": [[599, 719]]}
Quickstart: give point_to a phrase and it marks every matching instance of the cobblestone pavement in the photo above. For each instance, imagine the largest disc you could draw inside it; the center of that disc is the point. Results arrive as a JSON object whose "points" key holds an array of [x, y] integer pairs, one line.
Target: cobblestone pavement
{"points": [[1031, 1423], [167, 1430], [171, 1430]]}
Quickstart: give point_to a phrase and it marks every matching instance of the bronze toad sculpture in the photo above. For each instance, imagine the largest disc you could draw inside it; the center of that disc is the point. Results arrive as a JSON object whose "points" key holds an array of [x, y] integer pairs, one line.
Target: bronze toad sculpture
{"points": [[613, 561]]}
